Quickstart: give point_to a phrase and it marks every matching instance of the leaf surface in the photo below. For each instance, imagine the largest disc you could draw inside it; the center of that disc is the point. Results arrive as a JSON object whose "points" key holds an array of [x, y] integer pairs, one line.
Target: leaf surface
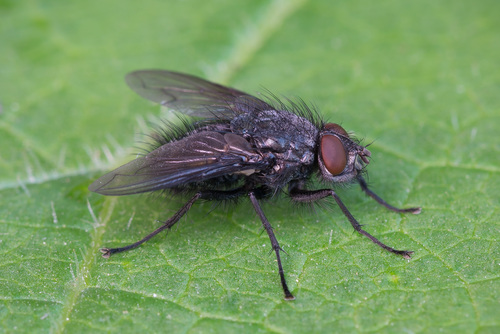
{"points": [[418, 79]]}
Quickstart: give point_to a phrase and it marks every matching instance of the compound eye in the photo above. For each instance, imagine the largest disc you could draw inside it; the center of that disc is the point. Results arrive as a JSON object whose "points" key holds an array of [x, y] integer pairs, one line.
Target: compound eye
{"points": [[336, 128], [333, 154]]}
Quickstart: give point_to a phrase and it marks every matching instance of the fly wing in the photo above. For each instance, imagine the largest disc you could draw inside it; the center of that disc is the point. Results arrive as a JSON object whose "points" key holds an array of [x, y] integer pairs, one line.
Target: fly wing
{"points": [[196, 158], [192, 95]]}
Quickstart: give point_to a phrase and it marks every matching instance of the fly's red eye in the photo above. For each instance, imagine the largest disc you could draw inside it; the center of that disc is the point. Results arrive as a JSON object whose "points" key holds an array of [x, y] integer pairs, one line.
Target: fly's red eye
{"points": [[333, 154], [336, 128]]}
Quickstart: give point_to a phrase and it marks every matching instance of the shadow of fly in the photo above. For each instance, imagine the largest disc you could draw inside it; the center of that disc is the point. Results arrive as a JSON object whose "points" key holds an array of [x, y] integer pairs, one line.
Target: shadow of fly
{"points": [[236, 145]]}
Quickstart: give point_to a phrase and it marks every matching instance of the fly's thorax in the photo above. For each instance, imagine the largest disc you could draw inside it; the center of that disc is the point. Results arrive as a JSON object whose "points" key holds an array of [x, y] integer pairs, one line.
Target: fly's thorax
{"points": [[290, 137], [340, 158], [286, 140]]}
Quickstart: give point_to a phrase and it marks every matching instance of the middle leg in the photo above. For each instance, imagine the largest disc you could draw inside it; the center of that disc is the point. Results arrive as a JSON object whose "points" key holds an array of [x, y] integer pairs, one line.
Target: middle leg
{"points": [[274, 243]]}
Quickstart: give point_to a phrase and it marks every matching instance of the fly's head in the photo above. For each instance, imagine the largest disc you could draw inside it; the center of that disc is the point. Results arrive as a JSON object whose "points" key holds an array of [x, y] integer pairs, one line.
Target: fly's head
{"points": [[340, 158]]}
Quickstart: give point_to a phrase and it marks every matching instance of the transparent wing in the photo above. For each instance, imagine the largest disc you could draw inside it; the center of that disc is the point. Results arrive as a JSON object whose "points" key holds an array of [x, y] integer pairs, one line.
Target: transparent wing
{"points": [[192, 95], [196, 158]]}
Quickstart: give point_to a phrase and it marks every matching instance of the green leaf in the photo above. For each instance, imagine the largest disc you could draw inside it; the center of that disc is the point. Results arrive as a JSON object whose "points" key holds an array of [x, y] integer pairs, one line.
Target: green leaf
{"points": [[419, 79]]}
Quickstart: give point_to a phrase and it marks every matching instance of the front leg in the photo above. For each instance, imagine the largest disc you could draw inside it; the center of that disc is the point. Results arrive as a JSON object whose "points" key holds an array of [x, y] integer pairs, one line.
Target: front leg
{"points": [[307, 196], [364, 187]]}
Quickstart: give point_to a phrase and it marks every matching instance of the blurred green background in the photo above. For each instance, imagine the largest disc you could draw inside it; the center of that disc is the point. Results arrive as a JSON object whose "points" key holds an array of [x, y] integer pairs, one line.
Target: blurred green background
{"points": [[419, 78]]}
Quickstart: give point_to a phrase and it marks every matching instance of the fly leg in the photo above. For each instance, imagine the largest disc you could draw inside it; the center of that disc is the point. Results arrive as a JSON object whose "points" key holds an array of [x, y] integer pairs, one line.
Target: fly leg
{"points": [[364, 187], [207, 195], [308, 196], [107, 252], [274, 243]]}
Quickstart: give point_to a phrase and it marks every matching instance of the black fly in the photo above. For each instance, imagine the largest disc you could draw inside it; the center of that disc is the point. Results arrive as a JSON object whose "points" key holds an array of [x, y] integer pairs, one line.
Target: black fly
{"points": [[239, 146]]}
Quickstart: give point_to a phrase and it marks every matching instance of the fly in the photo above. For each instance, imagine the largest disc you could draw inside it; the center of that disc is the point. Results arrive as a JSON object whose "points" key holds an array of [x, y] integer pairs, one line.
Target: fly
{"points": [[235, 146]]}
